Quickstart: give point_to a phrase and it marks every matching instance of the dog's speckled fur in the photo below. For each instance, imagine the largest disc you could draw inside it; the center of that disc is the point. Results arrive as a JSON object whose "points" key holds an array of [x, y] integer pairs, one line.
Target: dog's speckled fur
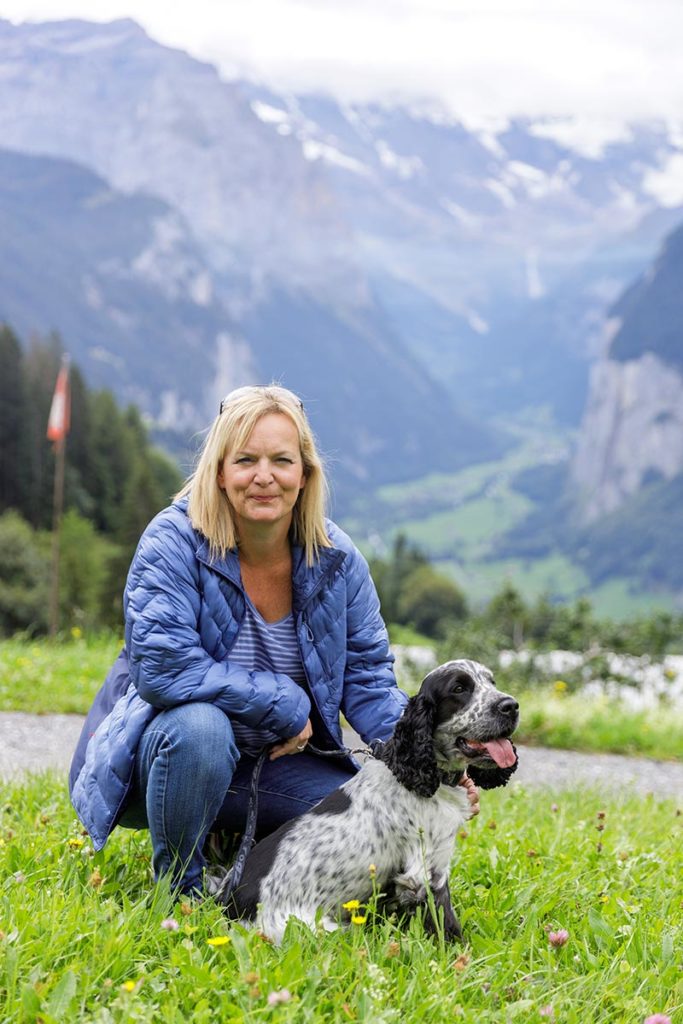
{"points": [[401, 812]]}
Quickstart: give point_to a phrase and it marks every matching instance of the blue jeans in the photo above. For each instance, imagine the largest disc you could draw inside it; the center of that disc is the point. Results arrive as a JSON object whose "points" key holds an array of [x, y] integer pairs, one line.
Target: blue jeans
{"points": [[189, 780]]}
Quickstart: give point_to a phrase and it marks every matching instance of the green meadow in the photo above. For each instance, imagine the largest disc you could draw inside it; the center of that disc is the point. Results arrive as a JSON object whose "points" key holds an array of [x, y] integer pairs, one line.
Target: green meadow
{"points": [[570, 903], [86, 936]]}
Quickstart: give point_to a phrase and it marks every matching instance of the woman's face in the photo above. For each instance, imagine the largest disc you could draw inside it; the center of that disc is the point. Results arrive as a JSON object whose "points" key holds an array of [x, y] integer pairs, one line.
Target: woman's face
{"points": [[263, 479]]}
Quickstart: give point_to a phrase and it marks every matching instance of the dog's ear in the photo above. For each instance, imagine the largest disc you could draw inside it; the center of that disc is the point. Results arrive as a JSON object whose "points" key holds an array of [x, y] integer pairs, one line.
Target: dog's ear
{"points": [[492, 778], [409, 754]]}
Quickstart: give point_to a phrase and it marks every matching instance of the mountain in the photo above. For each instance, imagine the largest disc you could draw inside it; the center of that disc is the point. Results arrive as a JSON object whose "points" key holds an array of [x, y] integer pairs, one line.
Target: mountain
{"points": [[490, 250], [424, 281], [496, 247], [119, 276], [650, 313], [632, 432], [615, 509], [124, 282]]}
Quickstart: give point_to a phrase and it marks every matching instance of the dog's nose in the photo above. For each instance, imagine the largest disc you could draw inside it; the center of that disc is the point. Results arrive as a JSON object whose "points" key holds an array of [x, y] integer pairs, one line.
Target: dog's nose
{"points": [[508, 706]]}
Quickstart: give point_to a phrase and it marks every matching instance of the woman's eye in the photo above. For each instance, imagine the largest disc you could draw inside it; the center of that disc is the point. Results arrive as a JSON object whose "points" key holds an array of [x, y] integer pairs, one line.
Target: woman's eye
{"points": [[282, 458], [245, 458]]}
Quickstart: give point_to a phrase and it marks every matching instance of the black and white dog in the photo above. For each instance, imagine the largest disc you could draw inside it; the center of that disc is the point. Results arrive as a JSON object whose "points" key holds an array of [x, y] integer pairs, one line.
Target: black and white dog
{"points": [[392, 827]]}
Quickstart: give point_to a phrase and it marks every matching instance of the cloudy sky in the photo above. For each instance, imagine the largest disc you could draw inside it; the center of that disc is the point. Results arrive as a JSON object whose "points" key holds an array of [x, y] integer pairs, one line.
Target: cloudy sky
{"points": [[610, 58]]}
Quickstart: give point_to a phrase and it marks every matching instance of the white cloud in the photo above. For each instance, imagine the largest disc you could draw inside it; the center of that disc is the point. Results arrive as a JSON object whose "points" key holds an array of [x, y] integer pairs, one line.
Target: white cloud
{"points": [[666, 184], [616, 59]]}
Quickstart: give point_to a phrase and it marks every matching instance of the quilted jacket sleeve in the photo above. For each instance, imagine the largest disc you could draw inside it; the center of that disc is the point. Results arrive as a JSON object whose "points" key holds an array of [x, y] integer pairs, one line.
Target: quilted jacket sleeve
{"points": [[372, 702], [168, 663]]}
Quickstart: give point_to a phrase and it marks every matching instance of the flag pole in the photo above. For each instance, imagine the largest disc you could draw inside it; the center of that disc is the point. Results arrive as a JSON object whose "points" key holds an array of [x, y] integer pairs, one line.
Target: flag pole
{"points": [[57, 507], [57, 429]]}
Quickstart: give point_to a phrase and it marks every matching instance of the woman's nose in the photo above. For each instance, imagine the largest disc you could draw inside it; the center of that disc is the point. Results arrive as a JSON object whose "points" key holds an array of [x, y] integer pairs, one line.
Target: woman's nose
{"points": [[263, 473]]}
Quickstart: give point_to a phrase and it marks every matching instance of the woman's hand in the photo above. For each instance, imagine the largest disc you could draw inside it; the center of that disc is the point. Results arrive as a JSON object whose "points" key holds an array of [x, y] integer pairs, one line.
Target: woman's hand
{"points": [[472, 794], [295, 745]]}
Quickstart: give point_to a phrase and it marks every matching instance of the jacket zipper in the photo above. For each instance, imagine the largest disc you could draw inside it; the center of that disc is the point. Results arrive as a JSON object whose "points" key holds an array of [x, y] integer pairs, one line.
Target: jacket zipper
{"points": [[302, 624]]}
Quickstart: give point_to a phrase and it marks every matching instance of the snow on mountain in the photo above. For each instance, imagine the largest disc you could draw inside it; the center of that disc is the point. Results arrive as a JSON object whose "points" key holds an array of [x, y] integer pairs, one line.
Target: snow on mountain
{"points": [[665, 183], [588, 137], [484, 242]]}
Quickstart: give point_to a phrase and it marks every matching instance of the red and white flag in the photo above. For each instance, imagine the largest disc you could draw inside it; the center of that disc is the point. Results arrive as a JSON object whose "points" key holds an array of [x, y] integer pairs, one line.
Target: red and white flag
{"points": [[60, 411]]}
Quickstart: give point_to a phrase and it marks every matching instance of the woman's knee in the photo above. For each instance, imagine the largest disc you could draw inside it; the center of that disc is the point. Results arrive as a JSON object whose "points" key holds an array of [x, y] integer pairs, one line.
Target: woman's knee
{"points": [[200, 734]]}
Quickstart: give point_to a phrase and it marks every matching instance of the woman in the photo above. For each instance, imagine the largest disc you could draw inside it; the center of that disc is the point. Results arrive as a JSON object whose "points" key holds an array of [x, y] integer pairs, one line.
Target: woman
{"points": [[250, 621]]}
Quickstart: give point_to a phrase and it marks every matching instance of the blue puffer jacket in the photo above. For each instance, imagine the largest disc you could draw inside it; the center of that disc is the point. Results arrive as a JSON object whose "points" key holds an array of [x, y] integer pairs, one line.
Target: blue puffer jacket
{"points": [[183, 612]]}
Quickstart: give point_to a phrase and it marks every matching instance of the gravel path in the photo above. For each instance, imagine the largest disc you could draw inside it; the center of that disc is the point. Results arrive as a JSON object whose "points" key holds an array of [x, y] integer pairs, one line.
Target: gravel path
{"points": [[32, 743]]}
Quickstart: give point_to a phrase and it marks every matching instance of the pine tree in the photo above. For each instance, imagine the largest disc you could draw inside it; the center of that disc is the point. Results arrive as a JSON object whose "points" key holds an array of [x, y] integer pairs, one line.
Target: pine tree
{"points": [[111, 459], [41, 364], [14, 469]]}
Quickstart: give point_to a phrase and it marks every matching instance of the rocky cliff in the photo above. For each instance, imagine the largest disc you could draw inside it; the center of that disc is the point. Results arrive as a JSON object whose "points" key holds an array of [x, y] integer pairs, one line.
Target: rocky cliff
{"points": [[632, 431]]}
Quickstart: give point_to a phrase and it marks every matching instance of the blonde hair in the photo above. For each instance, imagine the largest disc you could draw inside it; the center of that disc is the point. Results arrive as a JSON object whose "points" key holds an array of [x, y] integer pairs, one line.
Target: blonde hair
{"points": [[209, 509]]}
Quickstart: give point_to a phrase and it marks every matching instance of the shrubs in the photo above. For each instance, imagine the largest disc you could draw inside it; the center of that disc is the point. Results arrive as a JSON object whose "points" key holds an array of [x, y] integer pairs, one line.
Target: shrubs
{"points": [[413, 594], [24, 557]]}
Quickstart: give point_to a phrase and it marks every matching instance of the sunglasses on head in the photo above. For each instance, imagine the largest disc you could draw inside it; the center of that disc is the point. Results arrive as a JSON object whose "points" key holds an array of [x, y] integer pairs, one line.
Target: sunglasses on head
{"points": [[277, 392]]}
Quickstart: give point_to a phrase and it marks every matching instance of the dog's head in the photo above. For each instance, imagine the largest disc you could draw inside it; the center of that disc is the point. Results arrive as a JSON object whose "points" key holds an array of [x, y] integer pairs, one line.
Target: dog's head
{"points": [[459, 720]]}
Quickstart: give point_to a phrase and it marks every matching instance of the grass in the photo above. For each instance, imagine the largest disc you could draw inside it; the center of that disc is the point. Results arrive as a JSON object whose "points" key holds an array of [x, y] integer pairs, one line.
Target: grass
{"points": [[62, 677], [408, 636], [623, 598], [555, 574], [571, 722], [41, 676], [82, 937], [470, 530]]}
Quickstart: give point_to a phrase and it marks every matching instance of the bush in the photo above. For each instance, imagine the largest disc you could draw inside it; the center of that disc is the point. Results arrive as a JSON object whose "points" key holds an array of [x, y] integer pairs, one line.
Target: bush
{"points": [[24, 560], [85, 558], [430, 602]]}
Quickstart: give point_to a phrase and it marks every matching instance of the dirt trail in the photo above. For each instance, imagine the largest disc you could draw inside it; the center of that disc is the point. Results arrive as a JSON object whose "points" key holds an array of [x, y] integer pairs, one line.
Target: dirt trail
{"points": [[32, 743]]}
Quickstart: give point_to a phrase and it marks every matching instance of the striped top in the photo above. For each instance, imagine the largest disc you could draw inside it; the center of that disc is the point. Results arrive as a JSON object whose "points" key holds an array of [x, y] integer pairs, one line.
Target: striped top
{"points": [[265, 646]]}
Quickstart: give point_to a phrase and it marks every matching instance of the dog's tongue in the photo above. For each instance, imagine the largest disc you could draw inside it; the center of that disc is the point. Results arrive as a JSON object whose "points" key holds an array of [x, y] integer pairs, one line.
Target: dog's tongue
{"points": [[500, 750]]}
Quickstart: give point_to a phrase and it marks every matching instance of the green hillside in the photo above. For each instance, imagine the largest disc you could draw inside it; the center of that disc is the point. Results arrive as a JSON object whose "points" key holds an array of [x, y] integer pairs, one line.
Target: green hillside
{"points": [[510, 519]]}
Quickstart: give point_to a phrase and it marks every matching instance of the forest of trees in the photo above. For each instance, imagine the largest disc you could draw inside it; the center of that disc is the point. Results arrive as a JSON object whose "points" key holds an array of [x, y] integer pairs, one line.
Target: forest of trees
{"points": [[115, 481]]}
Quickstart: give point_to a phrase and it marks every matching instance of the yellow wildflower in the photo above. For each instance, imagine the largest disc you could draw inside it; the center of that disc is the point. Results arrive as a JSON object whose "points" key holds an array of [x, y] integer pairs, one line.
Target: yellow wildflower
{"points": [[76, 632], [76, 842], [559, 686], [359, 919], [219, 940], [128, 986], [351, 905]]}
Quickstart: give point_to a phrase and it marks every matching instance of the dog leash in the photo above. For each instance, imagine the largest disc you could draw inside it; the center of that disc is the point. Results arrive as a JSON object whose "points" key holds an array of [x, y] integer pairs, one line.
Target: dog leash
{"points": [[371, 750], [234, 875]]}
